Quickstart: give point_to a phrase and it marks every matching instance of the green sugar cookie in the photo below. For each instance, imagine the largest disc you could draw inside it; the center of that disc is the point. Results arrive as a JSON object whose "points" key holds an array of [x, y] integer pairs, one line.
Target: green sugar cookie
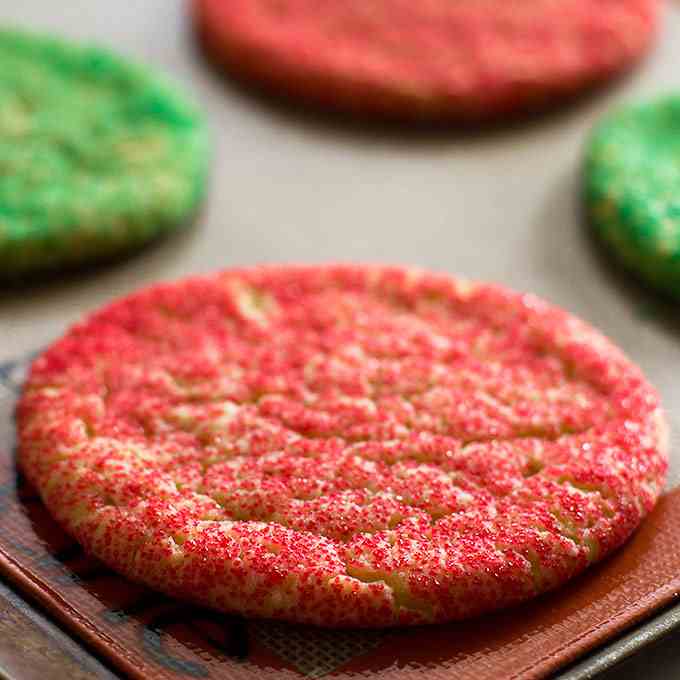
{"points": [[97, 155], [632, 189]]}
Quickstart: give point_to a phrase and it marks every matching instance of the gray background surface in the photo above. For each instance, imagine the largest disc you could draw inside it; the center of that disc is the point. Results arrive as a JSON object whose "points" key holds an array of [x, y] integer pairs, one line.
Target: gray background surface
{"points": [[501, 205]]}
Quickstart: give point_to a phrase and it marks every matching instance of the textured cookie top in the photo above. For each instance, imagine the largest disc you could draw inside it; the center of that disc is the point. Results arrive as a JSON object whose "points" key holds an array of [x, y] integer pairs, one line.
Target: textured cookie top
{"points": [[96, 155], [632, 181], [342, 445], [432, 58]]}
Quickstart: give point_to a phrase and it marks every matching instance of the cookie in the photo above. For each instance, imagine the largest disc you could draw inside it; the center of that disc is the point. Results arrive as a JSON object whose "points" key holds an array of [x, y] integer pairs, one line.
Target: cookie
{"points": [[432, 60], [97, 156], [631, 189], [342, 445]]}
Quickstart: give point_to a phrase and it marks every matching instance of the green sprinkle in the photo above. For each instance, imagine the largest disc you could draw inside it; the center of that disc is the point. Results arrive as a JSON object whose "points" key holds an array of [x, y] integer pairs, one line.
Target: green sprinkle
{"points": [[97, 156], [632, 189]]}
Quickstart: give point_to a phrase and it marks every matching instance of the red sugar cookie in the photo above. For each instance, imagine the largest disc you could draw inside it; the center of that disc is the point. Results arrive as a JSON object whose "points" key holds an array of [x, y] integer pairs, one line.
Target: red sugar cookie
{"points": [[342, 445], [431, 59]]}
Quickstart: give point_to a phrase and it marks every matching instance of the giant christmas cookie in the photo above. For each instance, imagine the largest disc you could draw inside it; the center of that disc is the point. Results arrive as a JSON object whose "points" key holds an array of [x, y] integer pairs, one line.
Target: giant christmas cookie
{"points": [[97, 156], [342, 445], [431, 59]]}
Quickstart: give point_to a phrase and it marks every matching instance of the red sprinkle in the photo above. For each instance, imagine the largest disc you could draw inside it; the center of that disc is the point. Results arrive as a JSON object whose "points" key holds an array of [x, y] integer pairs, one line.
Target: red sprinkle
{"points": [[427, 59], [342, 445]]}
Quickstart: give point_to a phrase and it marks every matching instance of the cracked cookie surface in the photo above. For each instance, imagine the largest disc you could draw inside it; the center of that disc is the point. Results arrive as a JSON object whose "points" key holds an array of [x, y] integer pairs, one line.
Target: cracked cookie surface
{"points": [[431, 60], [342, 445]]}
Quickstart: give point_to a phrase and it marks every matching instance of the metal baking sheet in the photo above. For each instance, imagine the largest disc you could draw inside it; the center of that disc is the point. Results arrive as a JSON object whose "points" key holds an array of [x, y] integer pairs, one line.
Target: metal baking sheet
{"points": [[286, 185]]}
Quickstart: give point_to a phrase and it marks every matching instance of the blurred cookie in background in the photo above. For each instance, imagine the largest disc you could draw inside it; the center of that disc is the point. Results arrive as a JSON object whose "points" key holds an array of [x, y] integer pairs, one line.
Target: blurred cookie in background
{"points": [[632, 177], [433, 60], [97, 156]]}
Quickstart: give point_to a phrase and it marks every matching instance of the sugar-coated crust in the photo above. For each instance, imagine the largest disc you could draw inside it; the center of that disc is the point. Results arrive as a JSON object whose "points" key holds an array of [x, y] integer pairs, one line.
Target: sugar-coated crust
{"points": [[630, 189], [342, 445], [98, 156], [433, 59]]}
